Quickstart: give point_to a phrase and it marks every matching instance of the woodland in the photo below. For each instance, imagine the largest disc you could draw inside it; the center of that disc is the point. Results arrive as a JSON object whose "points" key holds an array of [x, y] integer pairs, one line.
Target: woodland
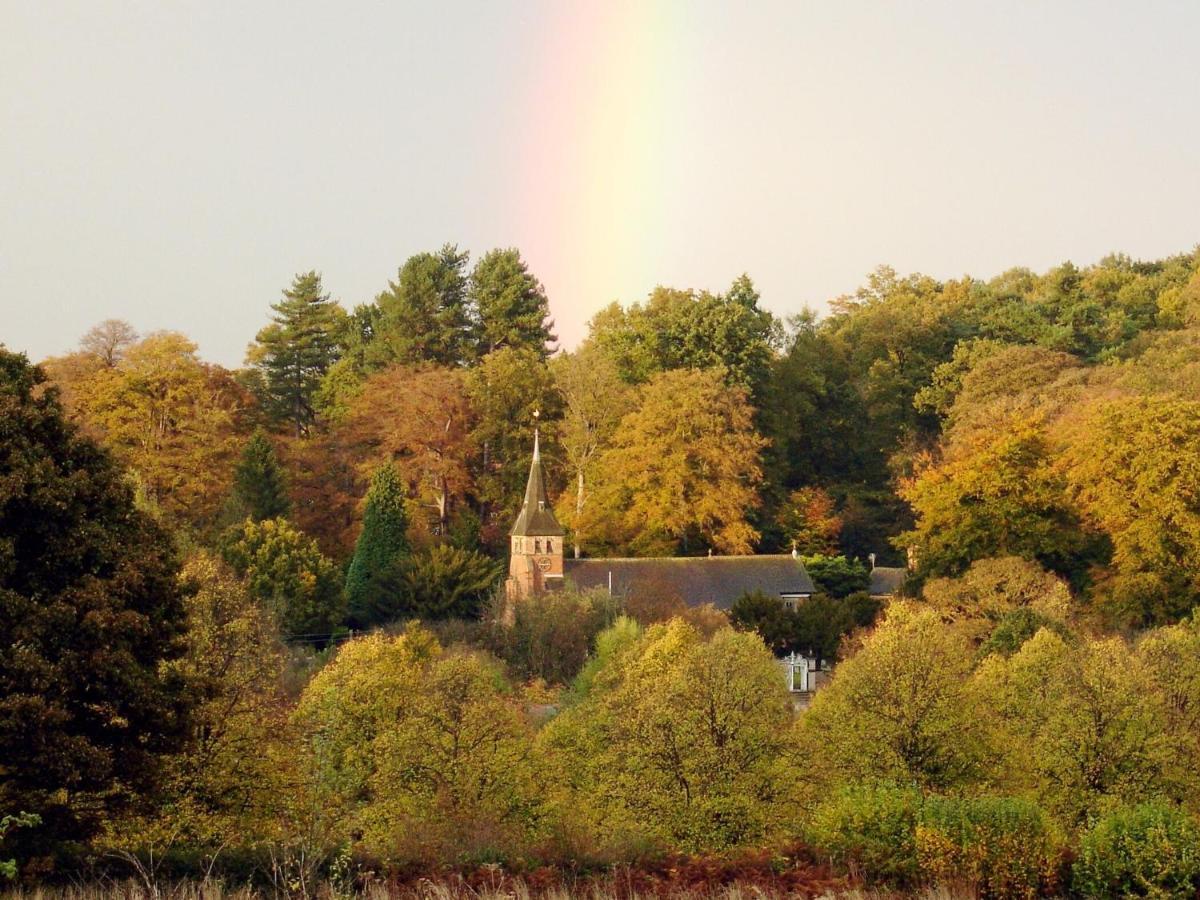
{"points": [[249, 618]]}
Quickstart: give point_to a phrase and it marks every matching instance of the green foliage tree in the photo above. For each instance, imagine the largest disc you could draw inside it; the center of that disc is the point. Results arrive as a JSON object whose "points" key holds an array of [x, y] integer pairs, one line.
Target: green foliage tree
{"points": [[425, 315], [510, 304], [382, 541], [814, 627], [296, 350], [259, 481], [442, 582], [898, 709], [90, 613], [837, 575], [422, 752], [1148, 850], [679, 740], [286, 572]]}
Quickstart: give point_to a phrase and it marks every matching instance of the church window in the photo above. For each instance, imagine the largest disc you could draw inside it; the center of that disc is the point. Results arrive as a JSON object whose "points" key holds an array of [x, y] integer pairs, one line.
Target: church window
{"points": [[537, 546], [549, 546]]}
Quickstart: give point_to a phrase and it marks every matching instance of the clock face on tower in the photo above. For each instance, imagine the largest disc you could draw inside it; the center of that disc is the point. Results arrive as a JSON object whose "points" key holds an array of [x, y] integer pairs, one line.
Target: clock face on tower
{"points": [[543, 563]]}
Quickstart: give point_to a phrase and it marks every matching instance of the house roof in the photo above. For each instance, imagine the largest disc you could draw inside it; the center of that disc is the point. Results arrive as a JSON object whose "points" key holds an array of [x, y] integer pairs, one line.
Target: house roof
{"points": [[536, 518], [886, 580], [719, 580]]}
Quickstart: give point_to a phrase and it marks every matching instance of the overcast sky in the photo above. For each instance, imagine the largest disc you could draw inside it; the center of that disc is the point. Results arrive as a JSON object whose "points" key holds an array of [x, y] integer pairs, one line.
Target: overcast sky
{"points": [[175, 163]]}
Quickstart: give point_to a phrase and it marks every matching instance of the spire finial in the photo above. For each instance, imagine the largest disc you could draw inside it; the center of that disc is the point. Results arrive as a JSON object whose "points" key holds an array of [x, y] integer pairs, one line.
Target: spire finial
{"points": [[537, 452]]}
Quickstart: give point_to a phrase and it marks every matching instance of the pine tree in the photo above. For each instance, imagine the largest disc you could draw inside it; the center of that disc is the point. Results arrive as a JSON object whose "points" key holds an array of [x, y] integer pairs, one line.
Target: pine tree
{"points": [[296, 350], [511, 304], [384, 538], [259, 482]]}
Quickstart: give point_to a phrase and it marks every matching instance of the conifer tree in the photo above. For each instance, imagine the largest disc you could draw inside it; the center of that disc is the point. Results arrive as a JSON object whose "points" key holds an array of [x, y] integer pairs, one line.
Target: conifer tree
{"points": [[511, 304], [259, 481], [296, 350], [384, 538]]}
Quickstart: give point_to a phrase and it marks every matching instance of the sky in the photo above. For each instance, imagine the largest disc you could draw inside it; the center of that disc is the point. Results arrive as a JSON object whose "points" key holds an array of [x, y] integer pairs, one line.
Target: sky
{"points": [[175, 163]]}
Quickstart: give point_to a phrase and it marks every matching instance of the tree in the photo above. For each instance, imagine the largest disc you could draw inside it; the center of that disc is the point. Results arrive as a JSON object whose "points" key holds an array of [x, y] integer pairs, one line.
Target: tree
{"points": [[421, 420], [991, 589], [995, 493], [172, 419], [1073, 727], [809, 522], [1133, 466], [90, 614], [218, 789], [683, 467], [594, 399], [837, 575], [296, 350], [423, 752], [441, 582], [424, 315], [511, 305], [896, 711], [510, 390], [288, 574], [259, 482], [382, 541], [108, 341], [678, 741]]}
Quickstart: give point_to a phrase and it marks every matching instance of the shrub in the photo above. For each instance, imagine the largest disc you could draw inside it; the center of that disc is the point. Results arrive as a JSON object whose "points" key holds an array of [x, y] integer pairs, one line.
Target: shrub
{"points": [[1002, 846], [870, 831], [1149, 850]]}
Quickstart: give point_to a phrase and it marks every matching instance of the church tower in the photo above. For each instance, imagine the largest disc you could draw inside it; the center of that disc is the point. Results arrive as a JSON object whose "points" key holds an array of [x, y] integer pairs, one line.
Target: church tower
{"points": [[536, 560]]}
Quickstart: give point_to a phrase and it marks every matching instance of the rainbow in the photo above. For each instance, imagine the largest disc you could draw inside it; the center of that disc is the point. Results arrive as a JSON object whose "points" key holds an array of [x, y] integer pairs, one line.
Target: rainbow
{"points": [[594, 162]]}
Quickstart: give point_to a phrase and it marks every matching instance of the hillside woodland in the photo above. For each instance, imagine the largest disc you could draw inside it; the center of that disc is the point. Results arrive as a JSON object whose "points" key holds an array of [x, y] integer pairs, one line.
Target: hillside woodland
{"points": [[248, 618]]}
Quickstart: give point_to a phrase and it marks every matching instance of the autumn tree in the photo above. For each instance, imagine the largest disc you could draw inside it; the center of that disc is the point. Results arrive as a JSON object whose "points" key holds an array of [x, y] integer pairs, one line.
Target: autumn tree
{"points": [[91, 616], [259, 481], [296, 350], [594, 401], [1133, 466], [382, 541], [287, 573], [172, 419], [422, 421], [809, 522], [995, 493], [510, 304], [683, 468]]}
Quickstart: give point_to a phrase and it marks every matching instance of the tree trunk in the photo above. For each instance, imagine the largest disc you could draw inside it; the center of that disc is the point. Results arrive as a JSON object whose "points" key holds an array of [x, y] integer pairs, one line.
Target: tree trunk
{"points": [[578, 509]]}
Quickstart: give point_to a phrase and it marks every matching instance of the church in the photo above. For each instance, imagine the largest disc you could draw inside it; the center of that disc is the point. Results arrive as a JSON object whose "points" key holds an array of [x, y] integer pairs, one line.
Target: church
{"points": [[537, 563]]}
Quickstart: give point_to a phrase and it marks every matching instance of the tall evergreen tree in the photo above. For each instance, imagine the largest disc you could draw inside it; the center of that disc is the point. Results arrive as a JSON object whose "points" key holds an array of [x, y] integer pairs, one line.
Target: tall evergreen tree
{"points": [[296, 350], [259, 482], [511, 305], [384, 538], [424, 315]]}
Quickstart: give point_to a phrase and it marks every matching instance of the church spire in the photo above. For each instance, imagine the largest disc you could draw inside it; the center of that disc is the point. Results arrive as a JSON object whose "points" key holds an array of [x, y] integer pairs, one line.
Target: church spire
{"points": [[536, 517]]}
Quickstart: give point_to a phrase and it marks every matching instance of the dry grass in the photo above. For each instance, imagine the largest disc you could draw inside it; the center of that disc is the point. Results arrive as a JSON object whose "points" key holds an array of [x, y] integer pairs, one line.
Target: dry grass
{"points": [[426, 889]]}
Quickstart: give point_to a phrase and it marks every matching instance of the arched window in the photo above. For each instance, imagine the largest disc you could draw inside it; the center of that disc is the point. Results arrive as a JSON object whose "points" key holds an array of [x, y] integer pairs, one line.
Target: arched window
{"points": [[537, 545], [549, 546]]}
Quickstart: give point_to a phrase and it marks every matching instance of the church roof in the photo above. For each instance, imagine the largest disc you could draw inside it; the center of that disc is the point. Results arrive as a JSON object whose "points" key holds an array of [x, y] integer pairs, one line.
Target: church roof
{"points": [[886, 580], [696, 580], [536, 518]]}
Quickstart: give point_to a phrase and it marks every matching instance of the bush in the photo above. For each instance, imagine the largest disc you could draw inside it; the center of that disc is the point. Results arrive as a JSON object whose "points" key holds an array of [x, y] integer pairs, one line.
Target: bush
{"points": [[870, 831], [1149, 850], [1002, 846]]}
